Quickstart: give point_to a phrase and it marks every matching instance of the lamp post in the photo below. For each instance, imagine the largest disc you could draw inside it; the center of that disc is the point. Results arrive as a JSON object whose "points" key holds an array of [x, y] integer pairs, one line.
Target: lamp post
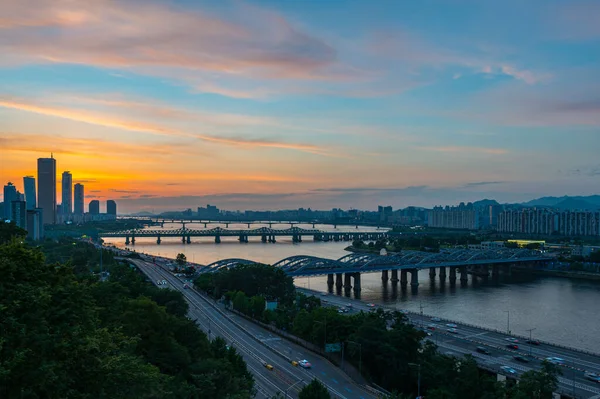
{"points": [[507, 321], [530, 340], [291, 386], [418, 378], [359, 355]]}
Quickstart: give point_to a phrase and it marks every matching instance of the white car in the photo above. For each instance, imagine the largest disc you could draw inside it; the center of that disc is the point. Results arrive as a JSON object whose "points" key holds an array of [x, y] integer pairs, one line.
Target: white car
{"points": [[513, 340], [453, 331], [437, 319], [305, 364], [451, 325], [509, 370], [555, 360]]}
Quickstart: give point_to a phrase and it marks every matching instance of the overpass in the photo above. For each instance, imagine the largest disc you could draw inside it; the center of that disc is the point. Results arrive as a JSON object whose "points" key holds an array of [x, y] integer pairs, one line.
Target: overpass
{"points": [[265, 233], [160, 221], [351, 266]]}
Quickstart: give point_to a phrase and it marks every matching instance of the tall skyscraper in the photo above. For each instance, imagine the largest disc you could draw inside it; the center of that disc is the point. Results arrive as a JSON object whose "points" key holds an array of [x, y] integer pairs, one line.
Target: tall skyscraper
{"points": [[111, 208], [94, 207], [30, 198], [10, 195], [47, 189], [79, 201], [19, 213], [67, 193], [35, 227]]}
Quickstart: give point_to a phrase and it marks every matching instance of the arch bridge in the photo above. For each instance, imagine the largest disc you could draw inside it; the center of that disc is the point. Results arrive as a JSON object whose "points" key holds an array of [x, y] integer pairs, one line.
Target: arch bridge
{"points": [[351, 266]]}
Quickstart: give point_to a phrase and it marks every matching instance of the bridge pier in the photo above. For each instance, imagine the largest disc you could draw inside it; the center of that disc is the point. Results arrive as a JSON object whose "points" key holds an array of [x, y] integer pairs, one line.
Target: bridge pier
{"points": [[495, 271], [183, 239], [395, 276], [453, 274], [330, 279], [404, 277], [273, 240], [299, 238], [217, 239], [205, 225], [414, 277], [432, 272], [132, 240], [338, 280], [384, 275], [263, 238], [463, 274], [158, 240], [507, 269], [189, 239], [356, 282], [347, 280], [484, 270], [126, 240], [442, 273]]}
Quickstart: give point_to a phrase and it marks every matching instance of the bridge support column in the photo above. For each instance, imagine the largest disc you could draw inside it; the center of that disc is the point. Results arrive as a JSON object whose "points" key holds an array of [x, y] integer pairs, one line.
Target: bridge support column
{"points": [[495, 270], [299, 238], [356, 282], [263, 238], [414, 278], [394, 276], [158, 240], [188, 239], [205, 225], [404, 277], [183, 239], [432, 272], [384, 275], [126, 240], [485, 270], [132, 240], [463, 274], [330, 279], [442, 273], [338, 280], [347, 280], [217, 239], [453, 274], [226, 225], [273, 240]]}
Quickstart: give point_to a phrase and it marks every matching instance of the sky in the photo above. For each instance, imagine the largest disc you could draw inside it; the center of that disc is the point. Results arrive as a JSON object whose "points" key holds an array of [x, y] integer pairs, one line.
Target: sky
{"points": [[314, 103]]}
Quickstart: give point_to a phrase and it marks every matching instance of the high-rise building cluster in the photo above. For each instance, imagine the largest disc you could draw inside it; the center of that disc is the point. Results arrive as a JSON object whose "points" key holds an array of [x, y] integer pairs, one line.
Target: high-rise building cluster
{"points": [[31, 212], [455, 217], [548, 221]]}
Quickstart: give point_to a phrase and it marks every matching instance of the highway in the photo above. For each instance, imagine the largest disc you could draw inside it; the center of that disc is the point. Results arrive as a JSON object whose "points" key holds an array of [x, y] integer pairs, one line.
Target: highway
{"points": [[259, 347], [467, 338]]}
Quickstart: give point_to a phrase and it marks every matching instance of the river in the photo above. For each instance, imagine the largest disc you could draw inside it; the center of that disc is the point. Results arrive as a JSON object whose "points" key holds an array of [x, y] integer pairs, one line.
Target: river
{"points": [[561, 310]]}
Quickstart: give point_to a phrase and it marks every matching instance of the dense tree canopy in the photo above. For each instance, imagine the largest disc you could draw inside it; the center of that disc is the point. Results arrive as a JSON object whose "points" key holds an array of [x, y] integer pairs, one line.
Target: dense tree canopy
{"points": [[314, 390], [67, 335]]}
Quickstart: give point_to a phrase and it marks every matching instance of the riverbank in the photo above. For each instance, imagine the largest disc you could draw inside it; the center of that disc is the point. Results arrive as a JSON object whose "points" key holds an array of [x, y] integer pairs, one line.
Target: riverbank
{"points": [[560, 273]]}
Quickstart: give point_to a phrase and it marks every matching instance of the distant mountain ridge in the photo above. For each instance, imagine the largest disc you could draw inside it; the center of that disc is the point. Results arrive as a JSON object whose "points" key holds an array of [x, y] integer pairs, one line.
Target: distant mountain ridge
{"points": [[591, 202]]}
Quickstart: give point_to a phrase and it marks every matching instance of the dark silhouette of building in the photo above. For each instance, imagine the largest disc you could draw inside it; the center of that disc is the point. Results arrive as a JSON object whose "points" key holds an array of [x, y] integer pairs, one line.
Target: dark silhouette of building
{"points": [[10, 195], [67, 193], [19, 213], [94, 207], [47, 189], [35, 225], [79, 208], [111, 207], [30, 198]]}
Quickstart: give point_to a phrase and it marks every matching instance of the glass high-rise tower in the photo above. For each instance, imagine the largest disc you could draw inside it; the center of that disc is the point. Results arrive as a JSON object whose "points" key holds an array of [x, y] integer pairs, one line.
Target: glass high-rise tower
{"points": [[67, 193], [47, 189], [30, 198]]}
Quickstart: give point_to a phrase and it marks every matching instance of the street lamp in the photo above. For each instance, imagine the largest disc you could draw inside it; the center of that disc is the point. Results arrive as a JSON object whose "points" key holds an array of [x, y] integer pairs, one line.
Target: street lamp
{"points": [[359, 355], [507, 321], [291, 386], [530, 340], [418, 378]]}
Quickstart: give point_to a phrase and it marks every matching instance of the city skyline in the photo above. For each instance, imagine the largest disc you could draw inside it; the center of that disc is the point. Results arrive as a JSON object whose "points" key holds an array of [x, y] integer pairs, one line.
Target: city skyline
{"points": [[272, 105]]}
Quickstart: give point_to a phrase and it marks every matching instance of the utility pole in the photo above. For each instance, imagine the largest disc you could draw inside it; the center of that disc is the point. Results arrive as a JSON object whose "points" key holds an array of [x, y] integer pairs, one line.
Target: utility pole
{"points": [[530, 340], [507, 321]]}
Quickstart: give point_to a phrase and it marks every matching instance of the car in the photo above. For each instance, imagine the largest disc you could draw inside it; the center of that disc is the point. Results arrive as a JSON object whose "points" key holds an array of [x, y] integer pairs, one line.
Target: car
{"points": [[533, 342], [512, 346], [451, 325], [452, 331], [341, 311], [508, 369], [555, 360], [164, 281], [521, 359], [435, 319], [268, 366], [159, 282], [431, 327], [481, 349], [349, 305], [371, 305], [592, 377], [513, 340], [304, 364]]}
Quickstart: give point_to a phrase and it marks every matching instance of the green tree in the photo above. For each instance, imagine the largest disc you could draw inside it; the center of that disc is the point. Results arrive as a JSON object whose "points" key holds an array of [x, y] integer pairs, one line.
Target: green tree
{"points": [[538, 384], [314, 390], [181, 259]]}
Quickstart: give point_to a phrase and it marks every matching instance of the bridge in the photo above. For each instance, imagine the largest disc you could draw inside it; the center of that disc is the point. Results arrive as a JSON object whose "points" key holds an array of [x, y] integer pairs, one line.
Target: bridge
{"points": [[351, 266], [265, 233], [160, 221]]}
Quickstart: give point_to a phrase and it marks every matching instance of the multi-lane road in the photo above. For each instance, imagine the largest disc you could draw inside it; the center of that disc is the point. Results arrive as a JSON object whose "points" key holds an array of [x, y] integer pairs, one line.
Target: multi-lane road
{"points": [[258, 346], [466, 339]]}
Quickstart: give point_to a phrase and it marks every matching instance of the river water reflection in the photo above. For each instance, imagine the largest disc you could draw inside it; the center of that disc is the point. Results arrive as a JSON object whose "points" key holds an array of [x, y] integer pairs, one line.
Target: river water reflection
{"points": [[561, 310]]}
